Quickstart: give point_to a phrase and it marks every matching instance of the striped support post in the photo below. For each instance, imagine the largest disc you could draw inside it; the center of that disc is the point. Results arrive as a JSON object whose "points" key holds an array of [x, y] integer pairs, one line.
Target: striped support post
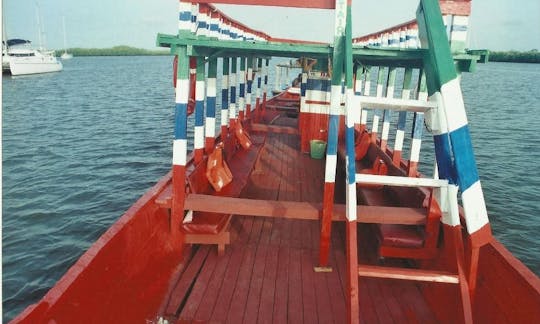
{"points": [[265, 88], [198, 137], [277, 85], [242, 89], [232, 86], [225, 98], [418, 126], [302, 118], [379, 94], [367, 91], [259, 90], [211, 92], [249, 87], [402, 119], [184, 17], [202, 20], [387, 114], [180, 143], [194, 16], [453, 147], [357, 92]]}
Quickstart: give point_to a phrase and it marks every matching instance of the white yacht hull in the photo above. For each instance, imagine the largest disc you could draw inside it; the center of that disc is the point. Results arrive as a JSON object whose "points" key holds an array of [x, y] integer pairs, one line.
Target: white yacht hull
{"points": [[34, 65]]}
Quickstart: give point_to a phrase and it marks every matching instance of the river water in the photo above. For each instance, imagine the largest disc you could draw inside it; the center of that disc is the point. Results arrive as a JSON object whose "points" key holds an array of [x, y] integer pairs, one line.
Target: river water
{"points": [[80, 146]]}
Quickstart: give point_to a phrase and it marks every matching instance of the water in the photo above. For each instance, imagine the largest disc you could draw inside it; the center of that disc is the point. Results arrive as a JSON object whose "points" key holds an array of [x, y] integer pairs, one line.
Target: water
{"points": [[80, 146]]}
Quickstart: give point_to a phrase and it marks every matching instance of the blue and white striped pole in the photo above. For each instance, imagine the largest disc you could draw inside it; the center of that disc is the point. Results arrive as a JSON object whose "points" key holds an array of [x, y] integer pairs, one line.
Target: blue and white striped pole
{"points": [[198, 137], [225, 98], [402, 118], [418, 126], [387, 114], [211, 92], [232, 86], [249, 86], [242, 89]]}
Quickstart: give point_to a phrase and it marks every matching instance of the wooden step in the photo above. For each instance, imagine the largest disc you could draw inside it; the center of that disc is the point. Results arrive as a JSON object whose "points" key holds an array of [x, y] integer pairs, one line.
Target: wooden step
{"points": [[407, 274]]}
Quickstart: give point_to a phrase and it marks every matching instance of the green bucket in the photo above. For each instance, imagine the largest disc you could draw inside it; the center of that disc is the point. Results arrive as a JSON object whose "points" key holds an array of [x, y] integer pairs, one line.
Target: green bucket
{"points": [[317, 149]]}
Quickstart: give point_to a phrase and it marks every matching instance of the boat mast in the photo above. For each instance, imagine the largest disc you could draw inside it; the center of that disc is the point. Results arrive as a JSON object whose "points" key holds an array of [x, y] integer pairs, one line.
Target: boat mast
{"points": [[64, 30]]}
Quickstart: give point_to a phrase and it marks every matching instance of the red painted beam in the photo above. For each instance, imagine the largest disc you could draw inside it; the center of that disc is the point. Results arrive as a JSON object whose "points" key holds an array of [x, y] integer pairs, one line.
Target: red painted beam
{"points": [[319, 4]]}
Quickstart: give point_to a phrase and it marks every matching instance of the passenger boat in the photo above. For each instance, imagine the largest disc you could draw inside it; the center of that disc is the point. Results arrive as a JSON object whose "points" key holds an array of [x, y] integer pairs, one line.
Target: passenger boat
{"points": [[252, 226], [19, 58]]}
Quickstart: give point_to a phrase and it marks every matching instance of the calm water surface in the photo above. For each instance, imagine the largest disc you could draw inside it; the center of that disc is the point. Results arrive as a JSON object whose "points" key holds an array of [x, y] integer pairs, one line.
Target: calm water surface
{"points": [[80, 146]]}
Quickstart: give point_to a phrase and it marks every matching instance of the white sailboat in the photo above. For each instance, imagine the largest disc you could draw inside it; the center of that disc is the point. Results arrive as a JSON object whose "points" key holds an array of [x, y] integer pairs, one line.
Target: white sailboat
{"points": [[65, 55], [22, 59]]}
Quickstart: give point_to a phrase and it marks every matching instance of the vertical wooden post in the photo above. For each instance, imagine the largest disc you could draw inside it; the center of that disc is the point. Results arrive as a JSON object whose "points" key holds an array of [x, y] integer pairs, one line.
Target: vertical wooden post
{"points": [[265, 88], [224, 99], [249, 86], [418, 126], [242, 90], [259, 87], [232, 86], [211, 105], [379, 94], [367, 91], [402, 119], [180, 144], [387, 114], [198, 137]]}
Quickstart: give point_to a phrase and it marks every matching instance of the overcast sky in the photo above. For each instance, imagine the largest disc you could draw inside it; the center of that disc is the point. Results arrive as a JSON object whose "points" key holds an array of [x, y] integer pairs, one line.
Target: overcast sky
{"points": [[494, 24]]}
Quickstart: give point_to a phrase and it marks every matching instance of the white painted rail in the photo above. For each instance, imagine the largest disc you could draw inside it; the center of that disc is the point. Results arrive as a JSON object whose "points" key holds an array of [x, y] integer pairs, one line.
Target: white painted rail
{"points": [[396, 104], [400, 181]]}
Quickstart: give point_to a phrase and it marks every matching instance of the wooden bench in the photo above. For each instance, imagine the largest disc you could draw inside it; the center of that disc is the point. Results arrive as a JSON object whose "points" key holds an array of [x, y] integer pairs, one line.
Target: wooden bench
{"points": [[397, 240], [209, 227]]}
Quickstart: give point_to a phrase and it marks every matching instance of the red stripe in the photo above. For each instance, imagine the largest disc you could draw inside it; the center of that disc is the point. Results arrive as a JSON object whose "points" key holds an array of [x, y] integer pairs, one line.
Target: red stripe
{"points": [[326, 223]]}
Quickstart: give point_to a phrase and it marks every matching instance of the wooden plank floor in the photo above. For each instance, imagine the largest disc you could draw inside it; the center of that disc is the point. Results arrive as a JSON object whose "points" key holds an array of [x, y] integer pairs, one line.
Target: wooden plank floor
{"points": [[266, 274]]}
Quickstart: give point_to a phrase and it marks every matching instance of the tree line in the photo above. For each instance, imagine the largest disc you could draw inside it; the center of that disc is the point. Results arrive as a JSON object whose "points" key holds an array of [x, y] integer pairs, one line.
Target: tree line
{"points": [[532, 56]]}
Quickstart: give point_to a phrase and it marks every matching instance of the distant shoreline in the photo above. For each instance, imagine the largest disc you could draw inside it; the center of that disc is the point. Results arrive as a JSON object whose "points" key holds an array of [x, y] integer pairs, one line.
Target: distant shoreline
{"points": [[532, 56]]}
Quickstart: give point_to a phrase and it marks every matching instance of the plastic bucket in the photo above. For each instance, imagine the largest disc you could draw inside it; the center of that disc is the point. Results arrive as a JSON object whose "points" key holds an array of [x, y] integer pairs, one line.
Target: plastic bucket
{"points": [[317, 148]]}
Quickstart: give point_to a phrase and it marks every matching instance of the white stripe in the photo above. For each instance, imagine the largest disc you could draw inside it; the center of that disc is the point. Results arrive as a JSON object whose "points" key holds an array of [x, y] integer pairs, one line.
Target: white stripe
{"points": [[224, 81], [363, 117], [250, 74], [199, 90], [303, 106], [459, 36], [179, 152], [375, 128], [198, 137], [390, 92], [318, 109], [436, 118], [330, 170], [335, 100], [316, 95], [242, 76], [400, 181], [349, 104], [367, 88], [182, 91], [184, 25], [356, 109], [358, 84], [211, 87], [232, 111], [224, 118], [398, 146], [241, 104], [415, 149], [210, 127], [454, 105], [232, 79], [248, 98], [379, 90], [406, 94], [192, 71], [474, 207], [451, 217], [351, 202], [385, 130]]}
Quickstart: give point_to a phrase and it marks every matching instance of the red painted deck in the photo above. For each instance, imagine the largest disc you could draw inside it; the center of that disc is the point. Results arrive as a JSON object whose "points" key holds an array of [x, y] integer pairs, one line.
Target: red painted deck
{"points": [[267, 273]]}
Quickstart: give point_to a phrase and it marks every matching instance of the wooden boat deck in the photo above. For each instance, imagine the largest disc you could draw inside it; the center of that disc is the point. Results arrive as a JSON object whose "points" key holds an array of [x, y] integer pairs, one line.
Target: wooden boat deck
{"points": [[267, 273]]}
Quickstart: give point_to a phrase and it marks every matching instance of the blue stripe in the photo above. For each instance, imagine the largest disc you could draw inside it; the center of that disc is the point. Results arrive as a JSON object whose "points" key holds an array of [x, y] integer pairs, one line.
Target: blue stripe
{"points": [[266, 78], [444, 157], [211, 106], [303, 88], [201, 25], [393, 41], [333, 134], [249, 86], [242, 90], [199, 112], [351, 169], [402, 119], [224, 99], [418, 125], [185, 16], [465, 162], [258, 82], [233, 94], [193, 18], [214, 27], [180, 125]]}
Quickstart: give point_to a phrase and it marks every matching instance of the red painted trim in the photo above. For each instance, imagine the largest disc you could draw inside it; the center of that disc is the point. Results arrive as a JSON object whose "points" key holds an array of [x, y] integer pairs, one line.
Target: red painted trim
{"points": [[353, 307], [396, 158], [319, 4], [314, 102], [257, 109], [178, 198], [482, 236], [326, 223], [209, 144]]}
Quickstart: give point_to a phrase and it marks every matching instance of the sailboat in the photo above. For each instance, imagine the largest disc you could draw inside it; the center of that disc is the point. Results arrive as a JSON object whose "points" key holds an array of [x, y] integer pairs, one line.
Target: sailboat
{"points": [[23, 59], [65, 55]]}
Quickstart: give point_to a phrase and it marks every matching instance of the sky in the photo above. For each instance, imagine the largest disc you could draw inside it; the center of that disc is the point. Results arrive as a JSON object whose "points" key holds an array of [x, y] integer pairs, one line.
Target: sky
{"points": [[494, 24]]}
